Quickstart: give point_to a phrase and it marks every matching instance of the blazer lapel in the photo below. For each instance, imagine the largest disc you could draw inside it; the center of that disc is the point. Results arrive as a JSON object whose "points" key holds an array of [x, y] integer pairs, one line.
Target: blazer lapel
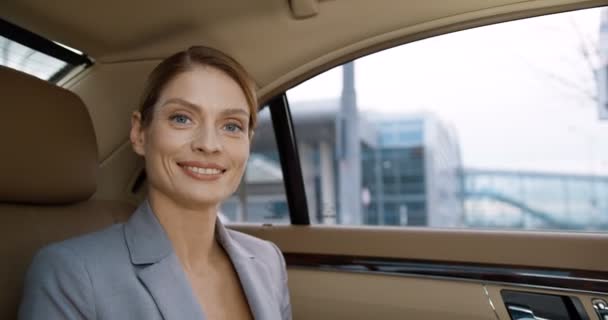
{"points": [[253, 275], [158, 267], [171, 290]]}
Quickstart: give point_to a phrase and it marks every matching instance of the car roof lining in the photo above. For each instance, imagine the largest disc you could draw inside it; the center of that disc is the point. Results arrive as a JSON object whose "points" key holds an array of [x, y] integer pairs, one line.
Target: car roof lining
{"points": [[276, 47], [400, 37]]}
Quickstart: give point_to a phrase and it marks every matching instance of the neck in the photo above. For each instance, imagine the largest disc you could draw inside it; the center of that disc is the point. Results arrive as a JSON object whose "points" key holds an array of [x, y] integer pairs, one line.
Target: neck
{"points": [[191, 230]]}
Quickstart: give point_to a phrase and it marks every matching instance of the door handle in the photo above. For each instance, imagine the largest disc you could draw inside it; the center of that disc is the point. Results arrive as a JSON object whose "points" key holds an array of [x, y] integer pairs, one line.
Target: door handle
{"points": [[518, 312], [601, 308], [539, 306]]}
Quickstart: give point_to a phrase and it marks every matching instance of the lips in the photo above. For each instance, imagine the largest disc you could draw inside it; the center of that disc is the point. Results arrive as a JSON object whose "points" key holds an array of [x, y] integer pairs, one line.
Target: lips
{"points": [[202, 170]]}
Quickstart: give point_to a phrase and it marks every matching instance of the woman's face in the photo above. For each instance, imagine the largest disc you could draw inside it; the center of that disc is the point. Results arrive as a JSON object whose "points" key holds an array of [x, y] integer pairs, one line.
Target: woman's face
{"points": [[197, 144]]}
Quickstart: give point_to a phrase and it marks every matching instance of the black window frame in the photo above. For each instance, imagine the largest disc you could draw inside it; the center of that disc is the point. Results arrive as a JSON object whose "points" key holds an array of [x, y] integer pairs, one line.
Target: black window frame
{"points": [[287, 146]]}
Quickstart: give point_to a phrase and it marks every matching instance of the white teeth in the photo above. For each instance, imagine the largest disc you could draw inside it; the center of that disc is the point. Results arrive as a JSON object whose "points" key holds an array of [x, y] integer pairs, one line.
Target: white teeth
{"points": [[203, 170]]}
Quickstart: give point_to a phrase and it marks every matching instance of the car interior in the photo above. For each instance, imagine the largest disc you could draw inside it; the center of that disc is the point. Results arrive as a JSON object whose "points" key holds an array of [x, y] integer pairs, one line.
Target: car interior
{"points": [[68, 167]]}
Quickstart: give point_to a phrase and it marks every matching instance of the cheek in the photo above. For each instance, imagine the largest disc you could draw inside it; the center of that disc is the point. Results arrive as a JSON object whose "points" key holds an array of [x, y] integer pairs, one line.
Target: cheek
{"points": [[166, 142], [239, 152]]}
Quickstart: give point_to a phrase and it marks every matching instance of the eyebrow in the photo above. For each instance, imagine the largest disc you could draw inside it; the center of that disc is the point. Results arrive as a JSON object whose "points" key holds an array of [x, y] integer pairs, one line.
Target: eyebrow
{"points": [[226, 112], [180, 101], [234, 111]]}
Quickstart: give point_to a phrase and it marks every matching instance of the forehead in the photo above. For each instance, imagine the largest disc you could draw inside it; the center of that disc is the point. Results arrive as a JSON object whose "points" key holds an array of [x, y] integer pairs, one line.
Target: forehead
{"points": [[206, 87]]}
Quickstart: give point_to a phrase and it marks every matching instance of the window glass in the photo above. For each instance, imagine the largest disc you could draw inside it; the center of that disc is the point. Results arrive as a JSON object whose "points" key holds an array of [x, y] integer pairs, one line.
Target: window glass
{"points": [[17, 56], [502, 126], [260, 197]]}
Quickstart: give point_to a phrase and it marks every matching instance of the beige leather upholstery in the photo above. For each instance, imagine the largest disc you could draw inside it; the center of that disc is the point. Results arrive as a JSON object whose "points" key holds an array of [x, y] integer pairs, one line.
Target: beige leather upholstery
{"points": [[49, 152], [47, 173]]}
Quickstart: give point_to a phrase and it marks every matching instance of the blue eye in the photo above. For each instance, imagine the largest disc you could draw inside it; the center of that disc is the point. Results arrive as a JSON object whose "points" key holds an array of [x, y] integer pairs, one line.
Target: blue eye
{"points": [[180, 119], [233, 127]]}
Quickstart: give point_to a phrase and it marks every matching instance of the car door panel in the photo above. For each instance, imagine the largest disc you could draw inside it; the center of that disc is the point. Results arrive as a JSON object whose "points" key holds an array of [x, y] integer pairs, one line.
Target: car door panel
{"points": [[318, 294], [354, 272]]}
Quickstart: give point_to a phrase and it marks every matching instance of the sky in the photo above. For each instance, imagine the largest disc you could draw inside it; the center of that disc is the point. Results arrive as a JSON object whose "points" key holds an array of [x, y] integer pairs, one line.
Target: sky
{"points": [[518, 95]]}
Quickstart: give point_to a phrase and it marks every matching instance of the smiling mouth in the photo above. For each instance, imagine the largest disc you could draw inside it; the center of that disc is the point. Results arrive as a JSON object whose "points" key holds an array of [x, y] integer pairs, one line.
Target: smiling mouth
{"points": [[202, 171], [205, 171]]}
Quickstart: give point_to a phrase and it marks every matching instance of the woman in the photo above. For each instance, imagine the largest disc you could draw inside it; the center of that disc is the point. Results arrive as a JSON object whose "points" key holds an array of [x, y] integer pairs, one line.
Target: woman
{"points": [[173, 259]]}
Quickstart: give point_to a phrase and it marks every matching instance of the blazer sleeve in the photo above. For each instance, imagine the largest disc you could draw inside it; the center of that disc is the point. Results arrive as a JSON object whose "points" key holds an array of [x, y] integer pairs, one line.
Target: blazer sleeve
{"points": [[284, 289], [57, 286]]}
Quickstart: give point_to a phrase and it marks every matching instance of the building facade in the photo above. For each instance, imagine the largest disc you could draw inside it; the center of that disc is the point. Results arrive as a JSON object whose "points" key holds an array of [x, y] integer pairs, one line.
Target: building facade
{"points": [[409, 171]]}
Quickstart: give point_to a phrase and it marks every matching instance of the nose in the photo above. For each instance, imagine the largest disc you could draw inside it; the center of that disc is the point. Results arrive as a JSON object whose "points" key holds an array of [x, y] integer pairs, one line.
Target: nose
{"points": [[206, 140]]}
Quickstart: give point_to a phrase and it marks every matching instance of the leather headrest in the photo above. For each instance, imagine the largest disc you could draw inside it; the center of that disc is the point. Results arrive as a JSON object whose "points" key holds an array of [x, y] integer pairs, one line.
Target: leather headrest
{"points": [[49, 150]]}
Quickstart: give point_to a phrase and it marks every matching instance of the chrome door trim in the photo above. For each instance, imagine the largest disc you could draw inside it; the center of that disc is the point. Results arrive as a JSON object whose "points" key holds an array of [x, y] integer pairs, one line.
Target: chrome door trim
{"points": [[595, 282]]}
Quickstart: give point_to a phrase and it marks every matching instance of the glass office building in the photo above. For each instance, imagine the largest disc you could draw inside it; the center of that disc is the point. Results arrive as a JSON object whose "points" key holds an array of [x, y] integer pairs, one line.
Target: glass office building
{"points": [[410, 170], [411, 174]]}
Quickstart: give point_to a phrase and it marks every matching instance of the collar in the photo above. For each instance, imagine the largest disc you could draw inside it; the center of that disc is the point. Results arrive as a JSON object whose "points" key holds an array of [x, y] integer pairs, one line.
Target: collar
{"points": [[148, 242]]}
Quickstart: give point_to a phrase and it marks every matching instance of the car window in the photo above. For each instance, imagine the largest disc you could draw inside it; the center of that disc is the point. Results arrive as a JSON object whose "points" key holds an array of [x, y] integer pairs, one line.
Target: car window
{"points": [[502, 126], [30, 53], [261, 196]]}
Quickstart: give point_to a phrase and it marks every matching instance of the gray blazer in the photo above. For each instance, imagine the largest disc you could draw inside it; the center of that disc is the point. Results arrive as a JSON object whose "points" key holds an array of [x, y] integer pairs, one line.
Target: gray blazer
{"points": [[130, 271]]}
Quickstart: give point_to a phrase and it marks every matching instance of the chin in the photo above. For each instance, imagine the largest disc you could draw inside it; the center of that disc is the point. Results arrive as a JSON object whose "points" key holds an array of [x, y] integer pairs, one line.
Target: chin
{"points": [[194, 196], [202, 199]]}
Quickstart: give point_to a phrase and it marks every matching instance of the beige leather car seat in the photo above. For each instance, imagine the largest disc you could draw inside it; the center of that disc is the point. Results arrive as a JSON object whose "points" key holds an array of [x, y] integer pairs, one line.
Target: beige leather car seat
{"points": [[48, 173]]}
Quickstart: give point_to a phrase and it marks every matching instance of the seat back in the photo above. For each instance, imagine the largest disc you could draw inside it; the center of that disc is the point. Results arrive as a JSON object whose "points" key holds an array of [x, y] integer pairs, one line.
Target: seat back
{"points": [[48, 173]]}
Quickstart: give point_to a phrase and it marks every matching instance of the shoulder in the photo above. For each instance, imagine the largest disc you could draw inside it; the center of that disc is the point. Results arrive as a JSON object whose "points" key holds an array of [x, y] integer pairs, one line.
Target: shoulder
{"points": [[60, 281], [63, 258], [95, 244]]}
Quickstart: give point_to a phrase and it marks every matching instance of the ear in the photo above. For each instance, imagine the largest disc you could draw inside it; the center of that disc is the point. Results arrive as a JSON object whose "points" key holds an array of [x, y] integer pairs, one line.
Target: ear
{"points": [[137, 134]]}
